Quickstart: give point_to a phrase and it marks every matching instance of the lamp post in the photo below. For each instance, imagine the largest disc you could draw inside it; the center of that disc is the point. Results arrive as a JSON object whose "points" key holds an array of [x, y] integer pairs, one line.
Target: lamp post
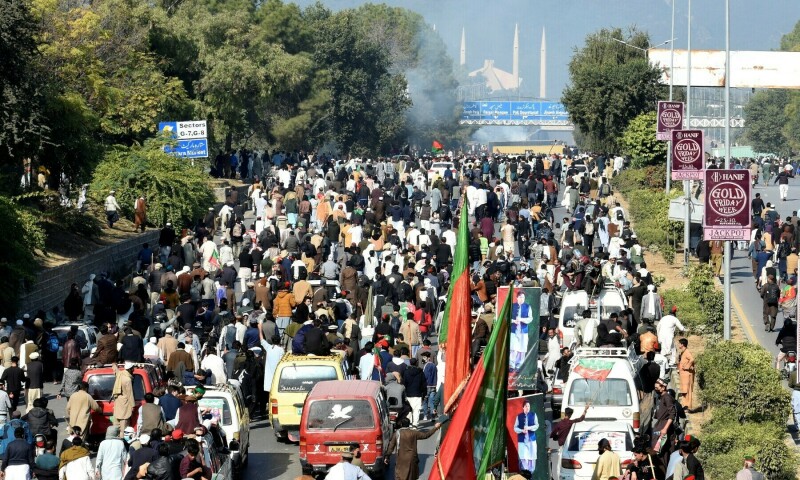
{"points": [[671, 82], [687, 185], [727, 258]]}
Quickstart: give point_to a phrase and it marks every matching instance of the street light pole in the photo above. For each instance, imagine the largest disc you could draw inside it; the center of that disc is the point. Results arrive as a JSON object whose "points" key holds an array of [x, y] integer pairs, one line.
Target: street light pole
{"points": [[671, 82], [728, 252], [687, 188]]}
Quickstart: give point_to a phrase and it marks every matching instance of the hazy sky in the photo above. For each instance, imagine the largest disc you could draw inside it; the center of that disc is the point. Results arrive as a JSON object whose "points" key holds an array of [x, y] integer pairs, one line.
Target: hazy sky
{"points": [[755, 25]]}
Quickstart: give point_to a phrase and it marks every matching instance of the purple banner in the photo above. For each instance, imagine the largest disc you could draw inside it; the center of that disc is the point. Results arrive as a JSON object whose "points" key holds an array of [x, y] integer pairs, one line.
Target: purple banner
{"points": [[670, 117], [687, 155], [727, 214]]}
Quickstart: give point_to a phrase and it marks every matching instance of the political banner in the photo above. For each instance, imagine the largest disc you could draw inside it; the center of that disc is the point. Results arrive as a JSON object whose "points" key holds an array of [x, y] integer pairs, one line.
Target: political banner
{"points": [[524, 336], [687, 155], [526, 440], [727, 212], [670, 117]]}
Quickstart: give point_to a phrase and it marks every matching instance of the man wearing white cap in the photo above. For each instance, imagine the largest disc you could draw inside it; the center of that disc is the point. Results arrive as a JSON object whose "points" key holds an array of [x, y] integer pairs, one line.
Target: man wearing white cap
{"points": [[167, 345], [35, 369]]}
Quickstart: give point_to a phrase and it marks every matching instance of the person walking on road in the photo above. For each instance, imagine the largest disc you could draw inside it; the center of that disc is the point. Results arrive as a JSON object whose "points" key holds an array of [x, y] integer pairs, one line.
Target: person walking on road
{"points": [[686, 373], [111, 455], [406, 465], [14, 379], [345, 470], [782, 179], [770, 294], [79, 409]]}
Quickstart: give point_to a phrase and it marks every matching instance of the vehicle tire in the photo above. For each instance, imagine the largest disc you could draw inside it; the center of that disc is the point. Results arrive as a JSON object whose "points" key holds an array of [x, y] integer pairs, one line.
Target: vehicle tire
{"points": [[282, 435]]}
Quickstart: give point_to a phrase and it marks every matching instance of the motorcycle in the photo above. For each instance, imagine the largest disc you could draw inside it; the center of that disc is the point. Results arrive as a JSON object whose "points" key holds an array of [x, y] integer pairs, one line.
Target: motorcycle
{"points": [[789, 365], [39, 442]]}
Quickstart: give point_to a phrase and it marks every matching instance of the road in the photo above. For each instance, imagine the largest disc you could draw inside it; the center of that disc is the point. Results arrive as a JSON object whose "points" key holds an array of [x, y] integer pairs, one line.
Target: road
{"points": [[745, 301]]}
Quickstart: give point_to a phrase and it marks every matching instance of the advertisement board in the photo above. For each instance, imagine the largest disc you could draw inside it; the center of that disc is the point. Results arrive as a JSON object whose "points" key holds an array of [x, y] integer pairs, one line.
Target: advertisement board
{"points": [[670, 117], [727, 212], [687, 155]]}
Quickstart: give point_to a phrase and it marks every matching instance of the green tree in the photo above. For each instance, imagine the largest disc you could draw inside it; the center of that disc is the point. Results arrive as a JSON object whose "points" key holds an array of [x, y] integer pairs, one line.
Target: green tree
{"points": [[639, 141], [17, 254], [22, 124], [175, 190], [610, 85], [765, 119]]}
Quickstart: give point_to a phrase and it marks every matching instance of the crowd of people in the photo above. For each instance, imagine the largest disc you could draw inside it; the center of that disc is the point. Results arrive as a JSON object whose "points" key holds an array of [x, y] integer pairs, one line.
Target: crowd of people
{"points": [[319, 256]]}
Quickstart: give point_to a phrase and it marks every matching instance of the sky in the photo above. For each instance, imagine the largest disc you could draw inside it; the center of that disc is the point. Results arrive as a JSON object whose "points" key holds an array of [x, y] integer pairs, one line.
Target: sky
{"points": [[755, 25]]}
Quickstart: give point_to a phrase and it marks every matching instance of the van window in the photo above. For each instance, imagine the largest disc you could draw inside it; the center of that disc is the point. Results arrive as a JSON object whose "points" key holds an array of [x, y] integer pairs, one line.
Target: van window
{"points": [[572, 314], [302, 378], [101, 386], [219, 407], [611, 392], [340, 415]]}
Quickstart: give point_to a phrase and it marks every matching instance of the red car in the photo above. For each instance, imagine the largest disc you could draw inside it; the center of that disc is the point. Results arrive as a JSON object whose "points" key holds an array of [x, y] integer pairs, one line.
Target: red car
{"points": [[146, 377]]}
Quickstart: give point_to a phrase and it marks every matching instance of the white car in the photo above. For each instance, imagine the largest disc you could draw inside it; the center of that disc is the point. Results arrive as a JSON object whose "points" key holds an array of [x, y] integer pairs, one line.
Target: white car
{"points": [[87, 337], [577, 458], [226, 403], [438, 168]]}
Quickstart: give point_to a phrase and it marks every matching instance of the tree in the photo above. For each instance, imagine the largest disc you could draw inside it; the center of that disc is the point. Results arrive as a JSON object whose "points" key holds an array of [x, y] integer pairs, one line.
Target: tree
{"points": [[639, 141], [176, 191], [765, 118], [22, 125], [610, 85], [17, 254]]}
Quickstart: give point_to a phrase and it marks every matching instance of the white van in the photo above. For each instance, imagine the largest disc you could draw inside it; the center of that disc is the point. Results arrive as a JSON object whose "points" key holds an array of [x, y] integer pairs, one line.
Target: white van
{"points": [[604, 379], [610, 300], [226, 403]]}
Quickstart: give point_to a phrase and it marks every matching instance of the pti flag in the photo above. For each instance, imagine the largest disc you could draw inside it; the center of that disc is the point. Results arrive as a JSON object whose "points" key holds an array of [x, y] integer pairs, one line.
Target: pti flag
{"points": [[455, 332], [437, 147], [476, 438]]}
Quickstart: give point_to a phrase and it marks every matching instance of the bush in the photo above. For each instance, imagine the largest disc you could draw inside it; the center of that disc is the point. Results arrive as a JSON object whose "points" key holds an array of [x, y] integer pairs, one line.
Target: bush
{"points": [[740, 376], [639, 142], [652, 177], [726, 441], [23, 238], [175, 190], [689, 309]]}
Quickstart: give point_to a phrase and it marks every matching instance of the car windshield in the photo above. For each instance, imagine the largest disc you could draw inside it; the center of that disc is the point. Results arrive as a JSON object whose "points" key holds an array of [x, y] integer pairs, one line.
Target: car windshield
{"points": [[219, 409], [571, 315], [101, 386], [587, 441], [611, 392], [340, 415], [302, 378]]}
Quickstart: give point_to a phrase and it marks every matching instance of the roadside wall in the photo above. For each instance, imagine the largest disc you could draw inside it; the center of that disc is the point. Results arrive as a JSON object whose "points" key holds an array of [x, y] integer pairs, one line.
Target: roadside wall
{"points": [[52, 285]]}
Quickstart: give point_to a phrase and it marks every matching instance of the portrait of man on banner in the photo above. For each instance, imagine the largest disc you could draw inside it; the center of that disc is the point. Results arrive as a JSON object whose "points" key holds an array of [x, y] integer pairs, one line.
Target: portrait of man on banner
{"points": [[526, 436], [523, 336]]}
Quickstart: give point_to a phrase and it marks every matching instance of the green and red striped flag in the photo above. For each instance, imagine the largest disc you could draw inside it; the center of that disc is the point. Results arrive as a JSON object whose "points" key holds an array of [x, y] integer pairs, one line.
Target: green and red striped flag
{"points": [[437, 147], [594, 368], [214, 260], [460, 262], [476, 437]]}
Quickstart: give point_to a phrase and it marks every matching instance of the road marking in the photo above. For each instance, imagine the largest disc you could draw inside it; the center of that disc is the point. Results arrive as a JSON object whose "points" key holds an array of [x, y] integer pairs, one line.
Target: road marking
{"points": [[748, 329]]}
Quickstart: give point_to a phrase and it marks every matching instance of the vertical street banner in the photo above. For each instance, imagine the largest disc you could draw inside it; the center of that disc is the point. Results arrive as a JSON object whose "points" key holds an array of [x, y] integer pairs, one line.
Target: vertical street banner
{"points": [[687, 155], [526, 439], [524, 336], [670, 117], [727, 214]]}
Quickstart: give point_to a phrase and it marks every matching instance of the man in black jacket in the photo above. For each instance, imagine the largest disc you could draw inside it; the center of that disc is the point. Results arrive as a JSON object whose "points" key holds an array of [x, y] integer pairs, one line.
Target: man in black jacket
{"points": [[132, 349], [416, 388], [18, 454], [315, 341], [40, 419]]}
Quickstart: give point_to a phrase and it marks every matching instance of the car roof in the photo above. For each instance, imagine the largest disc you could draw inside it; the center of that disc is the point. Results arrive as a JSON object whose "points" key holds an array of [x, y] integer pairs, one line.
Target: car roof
{"points": [[297, 358], [110, 368], [350, 388]]}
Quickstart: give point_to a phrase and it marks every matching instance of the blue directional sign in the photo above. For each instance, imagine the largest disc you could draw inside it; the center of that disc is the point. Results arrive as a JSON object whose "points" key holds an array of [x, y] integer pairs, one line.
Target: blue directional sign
{"points": [[514, 113], [195, 148]]}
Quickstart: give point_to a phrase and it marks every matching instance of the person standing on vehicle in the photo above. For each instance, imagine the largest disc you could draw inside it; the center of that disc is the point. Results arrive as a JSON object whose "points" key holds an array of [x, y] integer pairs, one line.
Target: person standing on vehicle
{"points": [[608, 463], [405, 439], [122, 397]]}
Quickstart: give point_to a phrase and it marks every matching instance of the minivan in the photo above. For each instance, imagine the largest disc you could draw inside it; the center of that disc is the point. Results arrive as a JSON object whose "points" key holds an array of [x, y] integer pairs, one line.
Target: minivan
{"points": [[294, 378], [338, 414], [225, 402], [605, 379]]}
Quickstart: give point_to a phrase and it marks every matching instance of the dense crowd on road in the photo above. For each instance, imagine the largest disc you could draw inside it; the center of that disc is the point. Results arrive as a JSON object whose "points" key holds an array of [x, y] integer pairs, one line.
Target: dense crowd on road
{"points": [[350, 259]]}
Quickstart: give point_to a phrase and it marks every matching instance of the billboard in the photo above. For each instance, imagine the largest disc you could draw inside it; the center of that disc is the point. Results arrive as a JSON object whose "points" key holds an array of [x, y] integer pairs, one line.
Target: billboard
{"points": [[514, 113], [524, 332], [687, 155], [727, 213], [526, 436], [670, 117], [749, 69]]}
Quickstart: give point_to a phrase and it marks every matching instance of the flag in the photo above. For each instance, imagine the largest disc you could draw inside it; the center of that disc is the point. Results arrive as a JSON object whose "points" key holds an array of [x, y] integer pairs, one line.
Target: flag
{"points": [[476, 437], [437, 147], [594, 368], [214, 260], [458, 313], [460, 261]]}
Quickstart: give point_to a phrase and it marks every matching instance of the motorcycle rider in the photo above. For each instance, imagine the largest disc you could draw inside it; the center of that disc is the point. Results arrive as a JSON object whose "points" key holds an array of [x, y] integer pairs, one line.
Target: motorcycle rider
{"points": [[787, 339]]}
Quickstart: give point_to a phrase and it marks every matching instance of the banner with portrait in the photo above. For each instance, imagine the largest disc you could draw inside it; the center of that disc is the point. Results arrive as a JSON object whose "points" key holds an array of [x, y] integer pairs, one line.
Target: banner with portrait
{"points": [[526, 436], [524, 336]]}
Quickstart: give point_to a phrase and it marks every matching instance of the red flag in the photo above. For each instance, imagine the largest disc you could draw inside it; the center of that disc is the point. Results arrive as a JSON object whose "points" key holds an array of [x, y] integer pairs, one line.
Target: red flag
{"points": [[458, 341], [437, 145]]}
